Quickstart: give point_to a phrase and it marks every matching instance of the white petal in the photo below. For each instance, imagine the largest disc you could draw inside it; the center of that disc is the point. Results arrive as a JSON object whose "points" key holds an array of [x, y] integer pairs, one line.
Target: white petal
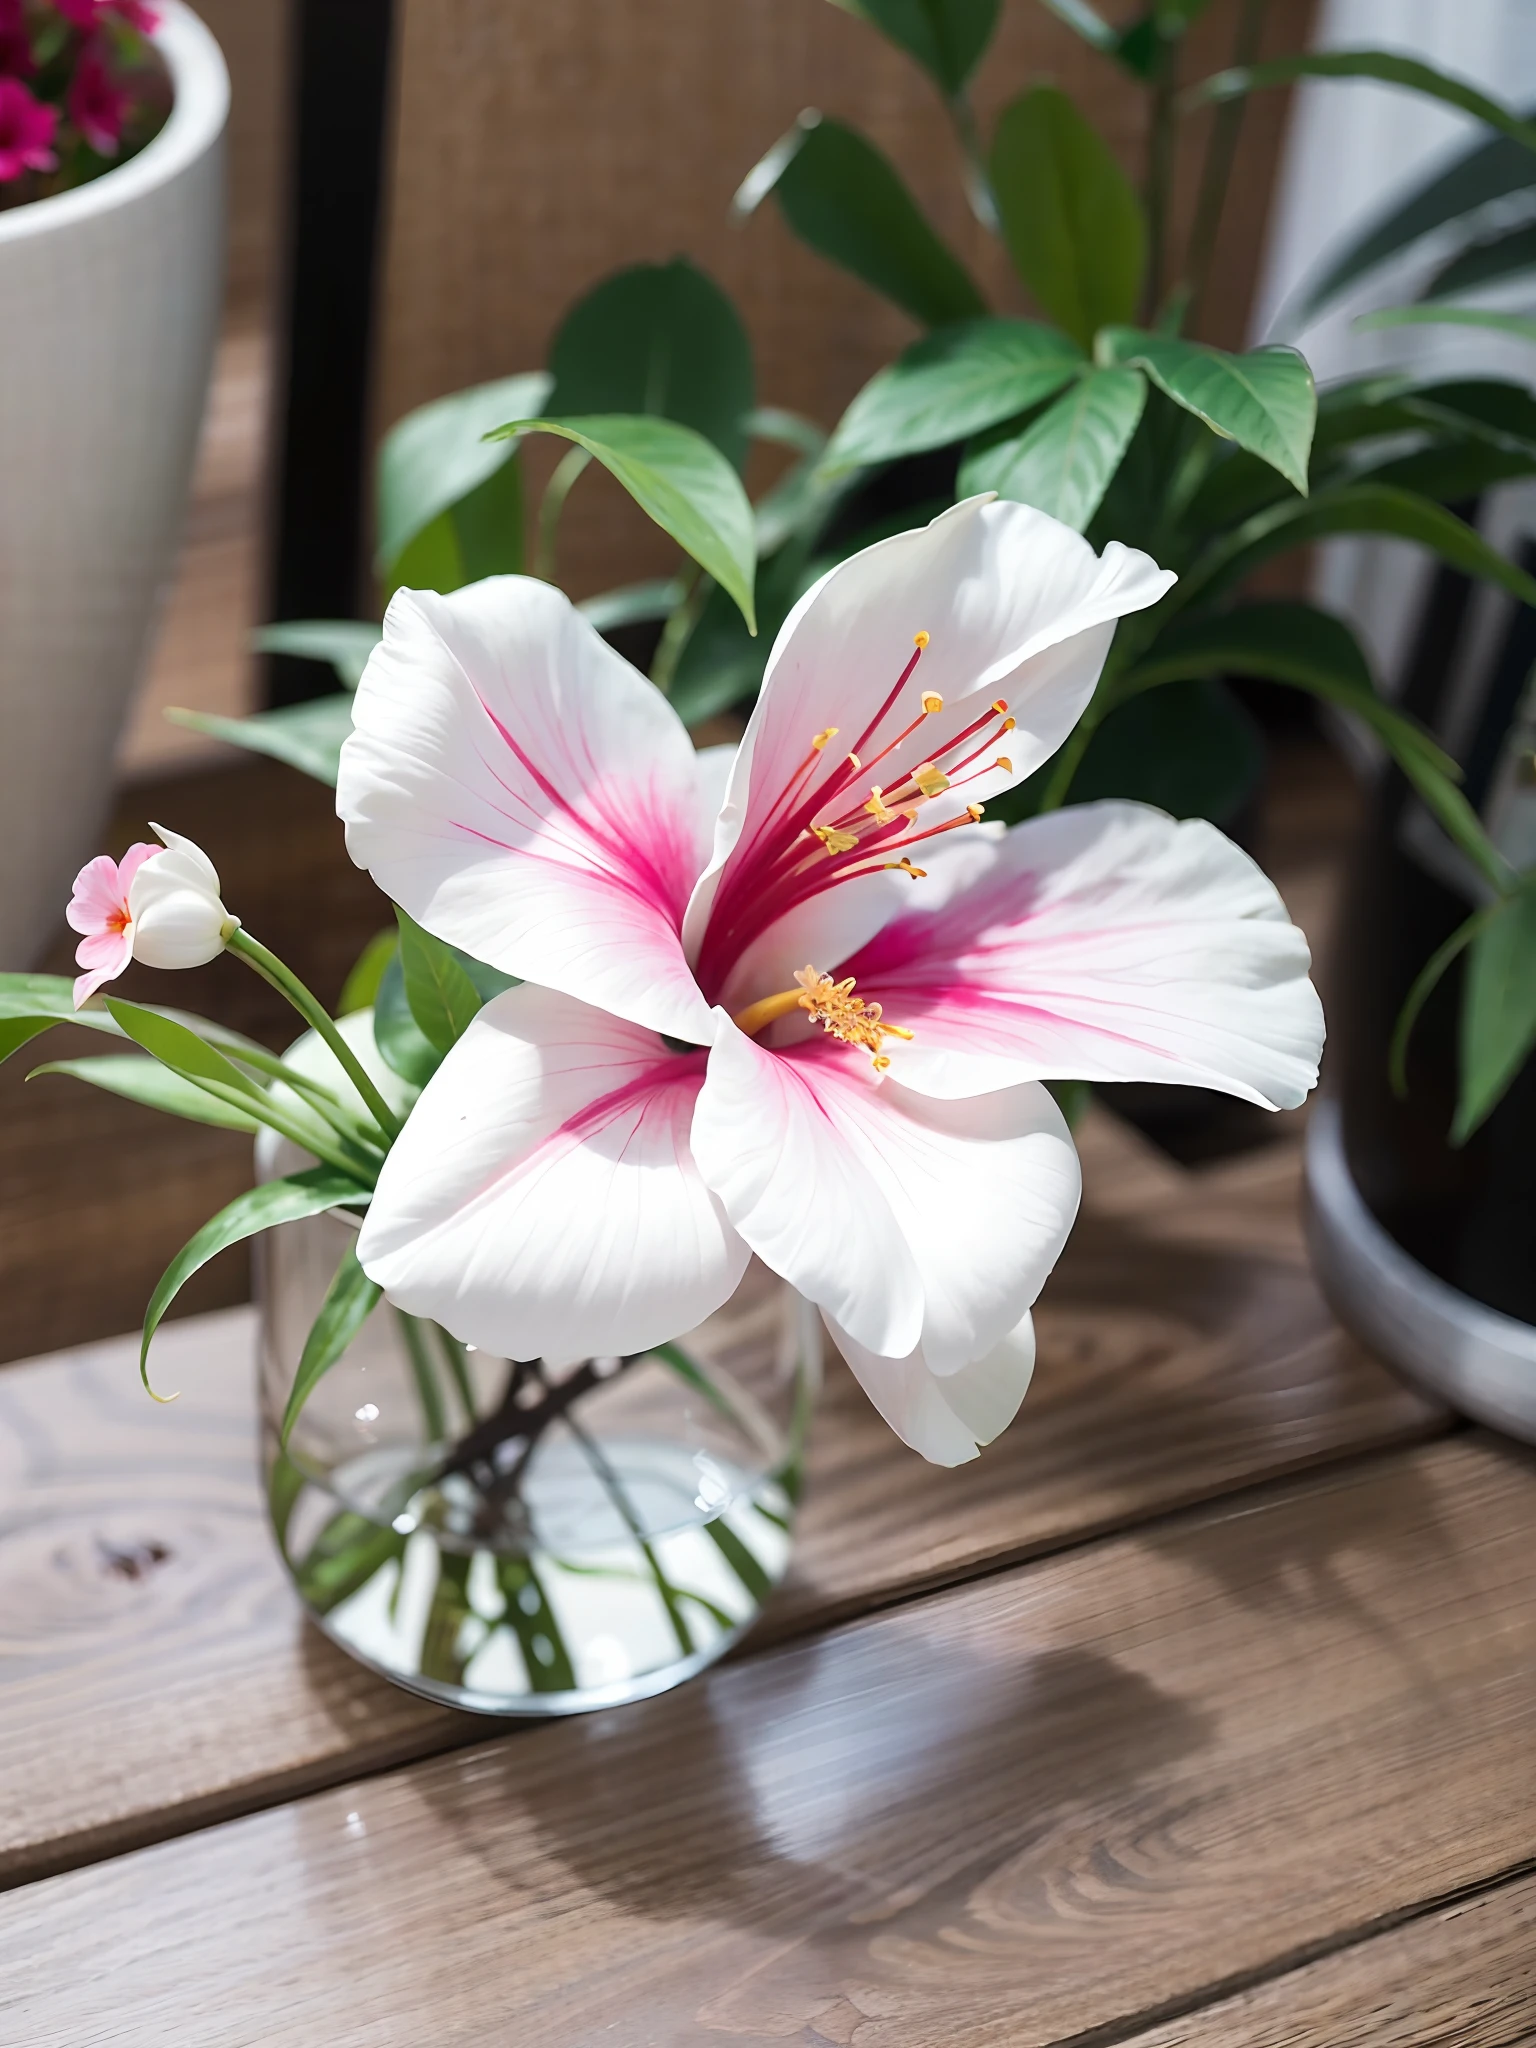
{"points": [[1014, 603], [173, 901], [906, 1219], [542, 1198], [1105, 942], [946, 1419], [529, 796]]}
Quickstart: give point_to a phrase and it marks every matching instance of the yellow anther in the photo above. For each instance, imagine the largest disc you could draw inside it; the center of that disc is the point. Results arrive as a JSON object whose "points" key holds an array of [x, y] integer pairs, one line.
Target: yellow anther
{"points": [[846, 1016], [1000, 706], [919, 639], [1004, 763], [855, 763], [930, 780], [973, 812], [835, 841], [1008, 724], [905, 867], [876, 806], [932, 702], [822, 738], [881, 1061]]}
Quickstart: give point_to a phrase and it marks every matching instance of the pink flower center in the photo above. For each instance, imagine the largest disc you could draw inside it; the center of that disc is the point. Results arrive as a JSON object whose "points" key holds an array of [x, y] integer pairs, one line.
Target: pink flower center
{"points": [[849, 825]]}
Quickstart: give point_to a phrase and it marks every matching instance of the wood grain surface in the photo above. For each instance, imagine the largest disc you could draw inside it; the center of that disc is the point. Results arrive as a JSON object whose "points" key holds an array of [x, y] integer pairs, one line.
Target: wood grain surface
{"points": [[537, 149], [1183, 1350], [1073, 1796], [1462, 1977]]}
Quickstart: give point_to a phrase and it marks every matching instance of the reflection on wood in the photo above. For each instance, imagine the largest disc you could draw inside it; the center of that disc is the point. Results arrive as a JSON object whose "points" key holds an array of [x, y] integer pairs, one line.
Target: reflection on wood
{"points": [[1051, 1802]]}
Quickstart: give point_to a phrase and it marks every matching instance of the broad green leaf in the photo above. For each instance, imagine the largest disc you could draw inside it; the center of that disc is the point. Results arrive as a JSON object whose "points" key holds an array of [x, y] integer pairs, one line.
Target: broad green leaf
{"points": [[439, 454], [276, 1201], [482, 535], [33, 1003], [1264, 400], [680, 480], [947, 37], [402, 1044], [1511, 254], [1498, 1019], [1386, 67], [1489, 170], [178, 1047], [1071, 218], [344, 643], [140, 1079], [1517, 324], [1503, 415], [843, 199], [950, 384], [1188, 748], [660, 338], [1451, 472], [306, 736], [633, 602], [349, 1301], [1063, 461], [15, 1032], [443, 999], [361, 988]]}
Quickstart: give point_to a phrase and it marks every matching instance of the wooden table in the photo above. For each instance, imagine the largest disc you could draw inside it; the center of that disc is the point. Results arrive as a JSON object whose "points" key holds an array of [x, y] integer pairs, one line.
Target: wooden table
{"points": [[1199, 1711]]}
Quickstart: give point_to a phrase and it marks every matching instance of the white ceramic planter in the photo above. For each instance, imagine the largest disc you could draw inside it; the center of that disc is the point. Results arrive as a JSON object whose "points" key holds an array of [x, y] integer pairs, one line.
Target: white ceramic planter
{"points": [[109, 306]]}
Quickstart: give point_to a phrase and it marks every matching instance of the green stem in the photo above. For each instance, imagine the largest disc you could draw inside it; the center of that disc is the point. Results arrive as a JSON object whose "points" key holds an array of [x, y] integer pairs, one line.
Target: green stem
{"points": [[458, 1369], [551, 505], [668, 1593], [308, 1137], [976, 178], [1158, 189], [678, 631], [1424, 987], [1220, 154], [428, 1392], [288, 984]]}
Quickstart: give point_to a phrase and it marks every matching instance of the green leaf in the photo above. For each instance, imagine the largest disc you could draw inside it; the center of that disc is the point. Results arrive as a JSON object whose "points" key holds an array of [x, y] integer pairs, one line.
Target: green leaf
{"points": [[1517, 324], [1498, 1019], [178, 1047], [633, 602], [443, 999], [1349, 508], [1501, 414], [402, 1044], [788, 429], [1385, 67], [343, 643], [1084, 21], [1511, 254], [276, 1201], [1264, 400], [952, 383], [1071, 218], [349, 1301], [438, 455], [140, 1079], [1189, 748], [681, 481], [482, 535], [1489, 170], [661, 339], [1063, 461], [15, 1032], [306, 736], [361, 988], [845, 201], [947, 37]]}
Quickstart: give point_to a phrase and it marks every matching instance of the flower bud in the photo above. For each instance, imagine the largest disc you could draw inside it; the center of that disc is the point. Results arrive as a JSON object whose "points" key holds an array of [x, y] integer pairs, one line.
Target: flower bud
{"points": [[177, 919]]}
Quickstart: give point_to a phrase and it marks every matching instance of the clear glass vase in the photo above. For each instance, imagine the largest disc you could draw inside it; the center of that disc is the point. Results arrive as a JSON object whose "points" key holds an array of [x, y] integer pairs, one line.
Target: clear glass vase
{"points": [[517, 1539]]}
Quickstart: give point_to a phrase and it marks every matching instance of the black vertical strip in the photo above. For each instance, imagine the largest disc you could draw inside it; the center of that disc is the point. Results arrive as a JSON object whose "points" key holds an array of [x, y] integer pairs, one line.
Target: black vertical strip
{"points": [[340, 126]]}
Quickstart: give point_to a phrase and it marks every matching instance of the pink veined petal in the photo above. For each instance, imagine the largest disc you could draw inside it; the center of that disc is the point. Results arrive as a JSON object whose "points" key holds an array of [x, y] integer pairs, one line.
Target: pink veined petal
{"points": [[98, 896], [529, 796], [947, 1419], [1103, 943], [542, 1199], [104, 955], [907, 1220], [1013, 604]]}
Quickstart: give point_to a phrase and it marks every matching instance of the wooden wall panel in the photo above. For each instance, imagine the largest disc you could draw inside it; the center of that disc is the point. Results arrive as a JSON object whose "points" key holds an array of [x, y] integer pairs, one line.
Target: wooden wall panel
{"points": [[253, 35], [539, 147]]}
